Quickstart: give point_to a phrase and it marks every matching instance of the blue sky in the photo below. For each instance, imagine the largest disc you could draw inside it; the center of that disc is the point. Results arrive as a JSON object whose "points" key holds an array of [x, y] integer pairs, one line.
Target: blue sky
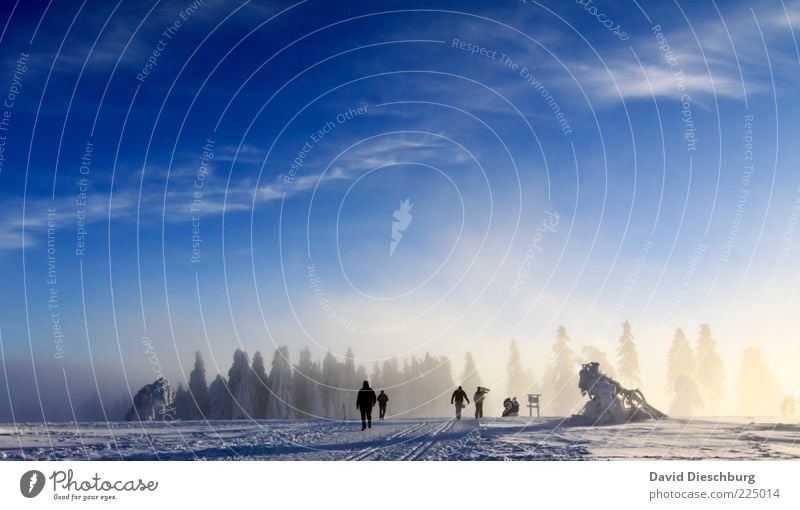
{"points": [[476, 140]]}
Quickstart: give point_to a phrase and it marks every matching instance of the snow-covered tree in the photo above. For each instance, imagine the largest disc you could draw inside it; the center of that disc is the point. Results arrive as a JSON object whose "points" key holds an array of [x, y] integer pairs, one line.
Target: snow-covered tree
{"points": [[680, 376], [240, 381], [219, 400], [591, 353], [518, 381], [279, 405], [332, 382], [183, 403], [561, 378], [757, 389], [198, 388], [259, 387], [154, 402], [306, 386], [680, 359], [471, 379], [710, 370], [628, 359]]}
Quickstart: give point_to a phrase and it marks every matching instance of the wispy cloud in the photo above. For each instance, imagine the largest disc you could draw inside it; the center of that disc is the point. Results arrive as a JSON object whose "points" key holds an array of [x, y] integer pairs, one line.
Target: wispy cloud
{"points": [[184, 200]]}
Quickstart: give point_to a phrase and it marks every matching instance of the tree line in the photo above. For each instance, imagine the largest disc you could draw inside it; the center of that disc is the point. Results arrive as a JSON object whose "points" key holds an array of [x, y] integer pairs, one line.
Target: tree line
{"points": [[420, 387]]}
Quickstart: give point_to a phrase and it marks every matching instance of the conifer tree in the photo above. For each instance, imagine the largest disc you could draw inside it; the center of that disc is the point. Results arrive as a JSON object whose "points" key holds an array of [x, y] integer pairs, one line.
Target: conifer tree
{"points": [[198, 388], [680, 360], [680, 377], [240, 380], [306, 386], [183, 403], [219, 400], [260, 388], [279, 405], [710, 370], [332, 382], [562, 394]]}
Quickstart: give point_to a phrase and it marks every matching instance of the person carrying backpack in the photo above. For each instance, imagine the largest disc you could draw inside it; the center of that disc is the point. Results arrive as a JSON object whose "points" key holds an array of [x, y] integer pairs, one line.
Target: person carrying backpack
{"points": [[459, 396], [383, 398]]}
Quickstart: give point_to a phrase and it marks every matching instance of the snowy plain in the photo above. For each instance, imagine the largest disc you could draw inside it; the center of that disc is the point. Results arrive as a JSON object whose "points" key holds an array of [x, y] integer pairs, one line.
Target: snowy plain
{"points": [[413, 439]]}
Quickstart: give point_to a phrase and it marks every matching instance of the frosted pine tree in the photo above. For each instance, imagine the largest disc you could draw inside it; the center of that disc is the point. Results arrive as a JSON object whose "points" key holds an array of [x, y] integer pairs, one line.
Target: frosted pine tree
{"points": [[680, 359], [680, 376], [332, 381], [279, 405], [240, 381], [561, 378], [260, 390], [198, 388], [710, 371], [154, 402], [183, 403], [628, 358], [219, 400], [470, 379]]}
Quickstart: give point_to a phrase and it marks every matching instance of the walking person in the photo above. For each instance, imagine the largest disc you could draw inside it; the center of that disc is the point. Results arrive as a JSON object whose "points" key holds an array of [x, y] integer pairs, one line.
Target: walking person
{"points": [[478, 398], [459, 396], [365, 402], [383, 398]]}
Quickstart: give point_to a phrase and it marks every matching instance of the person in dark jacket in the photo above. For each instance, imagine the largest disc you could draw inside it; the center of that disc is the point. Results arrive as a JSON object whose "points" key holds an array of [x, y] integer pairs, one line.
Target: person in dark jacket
{"points": [[459, 396], [383, 398], [365, 402], [478, 398]]}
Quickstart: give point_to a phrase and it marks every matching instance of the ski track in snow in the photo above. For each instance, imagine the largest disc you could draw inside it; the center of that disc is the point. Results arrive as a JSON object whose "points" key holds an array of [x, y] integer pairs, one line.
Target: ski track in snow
{"points": [[412, 439]]}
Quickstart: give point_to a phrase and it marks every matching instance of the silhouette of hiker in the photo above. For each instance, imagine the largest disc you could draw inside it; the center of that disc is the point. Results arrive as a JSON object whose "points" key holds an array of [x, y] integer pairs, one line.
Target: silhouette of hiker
{"points": [[478, 398], [365, 402], [382, 399], [459, 396]]}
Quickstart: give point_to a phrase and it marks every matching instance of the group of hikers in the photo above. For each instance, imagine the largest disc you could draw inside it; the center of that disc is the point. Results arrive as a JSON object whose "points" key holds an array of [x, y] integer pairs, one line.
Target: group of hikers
{"points": [[367, 399]]}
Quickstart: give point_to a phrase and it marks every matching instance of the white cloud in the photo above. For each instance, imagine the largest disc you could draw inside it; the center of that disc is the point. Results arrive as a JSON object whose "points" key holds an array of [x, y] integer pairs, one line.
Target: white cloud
{"points": [[150, 207]]}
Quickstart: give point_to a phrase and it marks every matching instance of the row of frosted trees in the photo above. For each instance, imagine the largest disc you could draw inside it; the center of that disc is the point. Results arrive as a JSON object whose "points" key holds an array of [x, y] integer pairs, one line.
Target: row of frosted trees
{"points": [[422, 386], [416, 386]]}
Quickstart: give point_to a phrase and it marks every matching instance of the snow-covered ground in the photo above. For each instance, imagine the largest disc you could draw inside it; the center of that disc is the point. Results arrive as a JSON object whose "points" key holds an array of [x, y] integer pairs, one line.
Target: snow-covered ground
{"points": [[422, 439]]}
